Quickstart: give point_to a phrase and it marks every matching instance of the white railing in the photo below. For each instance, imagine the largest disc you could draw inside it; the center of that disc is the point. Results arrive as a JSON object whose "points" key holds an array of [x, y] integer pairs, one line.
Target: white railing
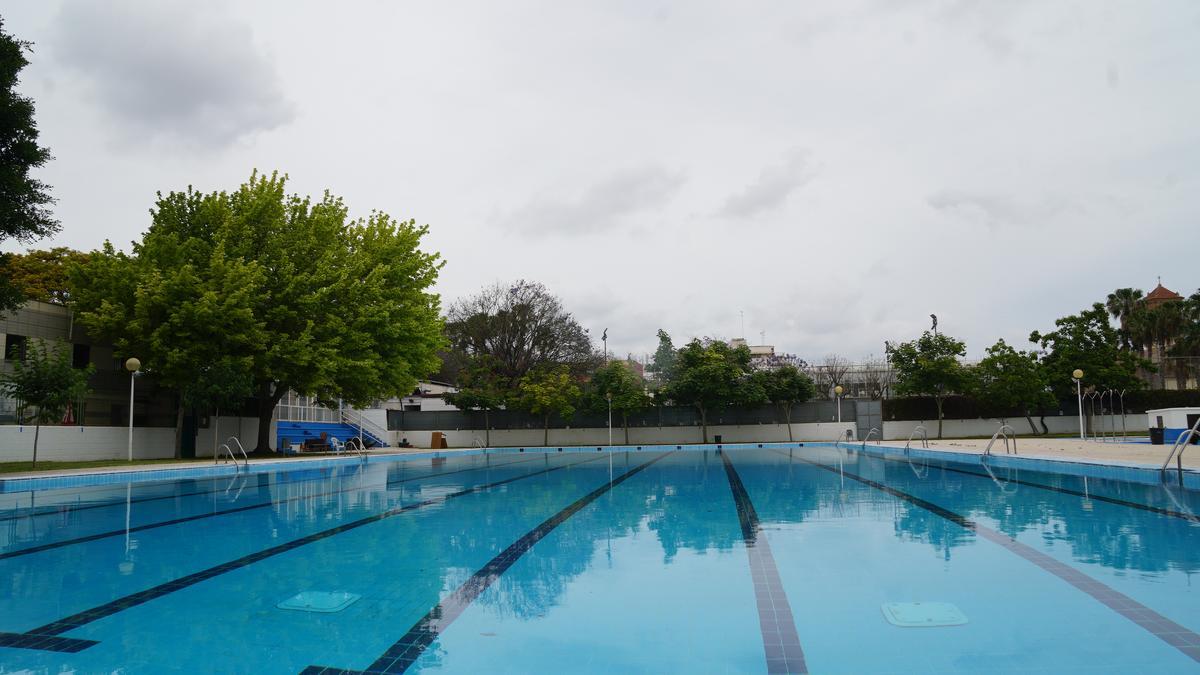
{"points": [[229, 451], [872, 432], [924, 438], [1008, 433], [365, 426]]}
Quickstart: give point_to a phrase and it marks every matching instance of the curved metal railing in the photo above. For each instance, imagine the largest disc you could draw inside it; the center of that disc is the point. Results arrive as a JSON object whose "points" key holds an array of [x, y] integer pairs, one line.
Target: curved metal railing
{"points": [[924, 437], [1177, 449], [872, 432], [1008, 433], [229, 451]]}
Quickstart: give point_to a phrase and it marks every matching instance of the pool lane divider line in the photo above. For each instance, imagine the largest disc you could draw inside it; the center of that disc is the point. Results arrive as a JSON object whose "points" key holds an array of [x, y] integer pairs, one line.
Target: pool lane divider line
{"points": [[123, 603], [405, 651], [238, 509], [781, 643], [1054, 488], [1170, 632]]}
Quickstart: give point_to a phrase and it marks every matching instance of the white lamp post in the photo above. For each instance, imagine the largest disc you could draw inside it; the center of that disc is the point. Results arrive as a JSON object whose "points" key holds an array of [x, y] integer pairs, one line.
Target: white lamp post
{"points": [[133, 366], [1077, 375], [837, 392], [609, 397]]}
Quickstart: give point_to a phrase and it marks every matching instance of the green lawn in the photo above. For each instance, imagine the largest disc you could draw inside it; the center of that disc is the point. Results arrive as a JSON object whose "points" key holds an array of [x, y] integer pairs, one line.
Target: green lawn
{"points": [[15, 467]]}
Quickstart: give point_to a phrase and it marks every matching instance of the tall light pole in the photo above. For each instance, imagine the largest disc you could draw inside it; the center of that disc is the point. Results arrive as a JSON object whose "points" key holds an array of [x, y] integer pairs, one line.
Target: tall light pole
{"points": [[1077, 375], [133, 366], [609, 397], [605, 339], [837, 392]]}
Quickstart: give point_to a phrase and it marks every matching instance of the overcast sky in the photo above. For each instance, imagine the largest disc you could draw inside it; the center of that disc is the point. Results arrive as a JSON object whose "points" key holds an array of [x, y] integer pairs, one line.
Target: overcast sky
{"points": [[837, 171]]}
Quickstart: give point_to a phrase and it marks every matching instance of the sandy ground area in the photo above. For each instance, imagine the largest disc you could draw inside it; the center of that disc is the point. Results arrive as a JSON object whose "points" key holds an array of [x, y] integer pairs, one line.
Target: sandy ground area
{"points": [[1074, 449]]}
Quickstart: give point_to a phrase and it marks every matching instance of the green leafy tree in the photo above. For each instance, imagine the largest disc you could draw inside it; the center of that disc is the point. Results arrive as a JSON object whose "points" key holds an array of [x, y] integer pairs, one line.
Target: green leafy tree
{"points": [[1187, 343], [548, 391], [43, 274], [45, 381], [1087, 341], [1007, 378], [309, 299], [618, 382], [480, 387], [930, 366], [24, 200], [787, 386], [710, 376], [663, 363]]}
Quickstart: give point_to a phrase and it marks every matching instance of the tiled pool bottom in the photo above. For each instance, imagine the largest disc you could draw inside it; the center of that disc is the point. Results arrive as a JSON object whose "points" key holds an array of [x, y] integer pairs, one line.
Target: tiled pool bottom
{"points": [[743, 561]]}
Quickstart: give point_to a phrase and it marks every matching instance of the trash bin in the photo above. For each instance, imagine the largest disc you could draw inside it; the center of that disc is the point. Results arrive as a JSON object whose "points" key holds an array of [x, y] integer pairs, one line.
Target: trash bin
{"points": [[1156, 435], [717, 438]]}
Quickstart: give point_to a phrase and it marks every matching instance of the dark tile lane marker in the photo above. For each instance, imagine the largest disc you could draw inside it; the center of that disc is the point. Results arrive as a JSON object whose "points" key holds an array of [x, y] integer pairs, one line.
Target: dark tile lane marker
{"points": [[238, 509], [781, 643], [409, 648], [135, 599], [1170, 632]]}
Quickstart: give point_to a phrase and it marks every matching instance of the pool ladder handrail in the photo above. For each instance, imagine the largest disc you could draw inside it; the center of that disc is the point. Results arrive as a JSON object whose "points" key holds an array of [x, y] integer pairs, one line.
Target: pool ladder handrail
{"points": [[838, 443], [1008, 433], [873, 432], [924, 438], [1176, 453], [229, 451]]}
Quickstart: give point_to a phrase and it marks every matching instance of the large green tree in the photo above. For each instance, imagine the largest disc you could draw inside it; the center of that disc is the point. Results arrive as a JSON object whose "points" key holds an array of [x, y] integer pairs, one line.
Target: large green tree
{"points": [[480, 387], [1087, 341], [303, 296], [24, 200], [787, 386], [930, 366], [1007, 378], [617, 384], [46, 381], [548, 391], [44, 274], [712, 375]]}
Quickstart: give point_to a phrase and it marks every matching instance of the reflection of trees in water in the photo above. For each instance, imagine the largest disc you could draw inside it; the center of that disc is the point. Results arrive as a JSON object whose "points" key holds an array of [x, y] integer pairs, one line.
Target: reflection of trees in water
{"points": [[1111, 535]]}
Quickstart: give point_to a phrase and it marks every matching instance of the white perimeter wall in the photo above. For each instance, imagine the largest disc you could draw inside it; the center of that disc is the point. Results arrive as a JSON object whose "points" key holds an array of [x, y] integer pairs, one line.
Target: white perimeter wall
{"points": [[1058, 424], [750, 433], [81, 444]]}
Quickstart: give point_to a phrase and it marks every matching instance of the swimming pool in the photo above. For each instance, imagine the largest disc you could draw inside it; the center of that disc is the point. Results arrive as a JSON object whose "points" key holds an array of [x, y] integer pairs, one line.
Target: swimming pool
{"points": [[779, 559]]}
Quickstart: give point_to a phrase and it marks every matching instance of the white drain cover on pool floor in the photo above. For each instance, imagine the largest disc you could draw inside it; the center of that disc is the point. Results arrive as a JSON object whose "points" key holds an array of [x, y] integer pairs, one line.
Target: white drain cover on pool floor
{"points": [[923, 614], [319, 601]]}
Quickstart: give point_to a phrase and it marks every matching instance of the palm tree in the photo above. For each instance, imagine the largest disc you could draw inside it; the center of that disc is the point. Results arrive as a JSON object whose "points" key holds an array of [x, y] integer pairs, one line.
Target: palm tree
{"points": [[1122, 304]]}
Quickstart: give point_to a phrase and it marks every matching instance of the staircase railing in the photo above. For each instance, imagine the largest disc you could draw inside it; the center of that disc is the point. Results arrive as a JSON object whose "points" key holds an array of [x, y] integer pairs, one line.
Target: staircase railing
{"points": [[365, 427]]}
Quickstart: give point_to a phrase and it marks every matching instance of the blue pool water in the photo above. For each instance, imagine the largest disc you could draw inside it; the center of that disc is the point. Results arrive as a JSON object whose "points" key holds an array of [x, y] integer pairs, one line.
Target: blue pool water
{"points": [[742, 561]]}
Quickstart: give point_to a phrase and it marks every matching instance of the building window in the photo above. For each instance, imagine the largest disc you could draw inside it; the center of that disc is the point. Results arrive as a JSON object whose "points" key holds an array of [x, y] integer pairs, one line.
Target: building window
{"points": [[14, 347], [81, 356]]}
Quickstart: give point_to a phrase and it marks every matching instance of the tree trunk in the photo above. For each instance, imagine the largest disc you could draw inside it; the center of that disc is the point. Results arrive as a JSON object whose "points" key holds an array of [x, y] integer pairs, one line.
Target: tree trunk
{"points": [[625, 423], [546, 430], [179, 427], [1029, 418], [267, 400], [1042, 421], [37, 429], [787, 418], [938, 400], [703, 424]]}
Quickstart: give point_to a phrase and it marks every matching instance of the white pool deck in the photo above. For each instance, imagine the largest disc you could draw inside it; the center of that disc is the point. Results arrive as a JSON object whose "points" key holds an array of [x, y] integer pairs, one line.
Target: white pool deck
{"points": [[1117, 454]]}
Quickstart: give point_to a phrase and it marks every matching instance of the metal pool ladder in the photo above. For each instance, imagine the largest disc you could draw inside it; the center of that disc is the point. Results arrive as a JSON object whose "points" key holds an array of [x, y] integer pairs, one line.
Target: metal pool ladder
{"points": [[229, 451], [1181, 444], [924, 438], [872, 432], [1008, 433]]}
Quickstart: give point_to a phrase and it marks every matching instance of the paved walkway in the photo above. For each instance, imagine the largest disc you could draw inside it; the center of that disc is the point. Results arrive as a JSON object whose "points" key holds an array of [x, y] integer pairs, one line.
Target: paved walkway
{"points": [[1141, 454]]}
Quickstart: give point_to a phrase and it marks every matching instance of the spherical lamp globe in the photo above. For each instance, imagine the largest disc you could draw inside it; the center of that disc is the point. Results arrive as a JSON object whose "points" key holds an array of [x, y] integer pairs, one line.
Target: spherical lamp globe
{"points": [[838, 390], [1077, 374], [133, 365]]}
